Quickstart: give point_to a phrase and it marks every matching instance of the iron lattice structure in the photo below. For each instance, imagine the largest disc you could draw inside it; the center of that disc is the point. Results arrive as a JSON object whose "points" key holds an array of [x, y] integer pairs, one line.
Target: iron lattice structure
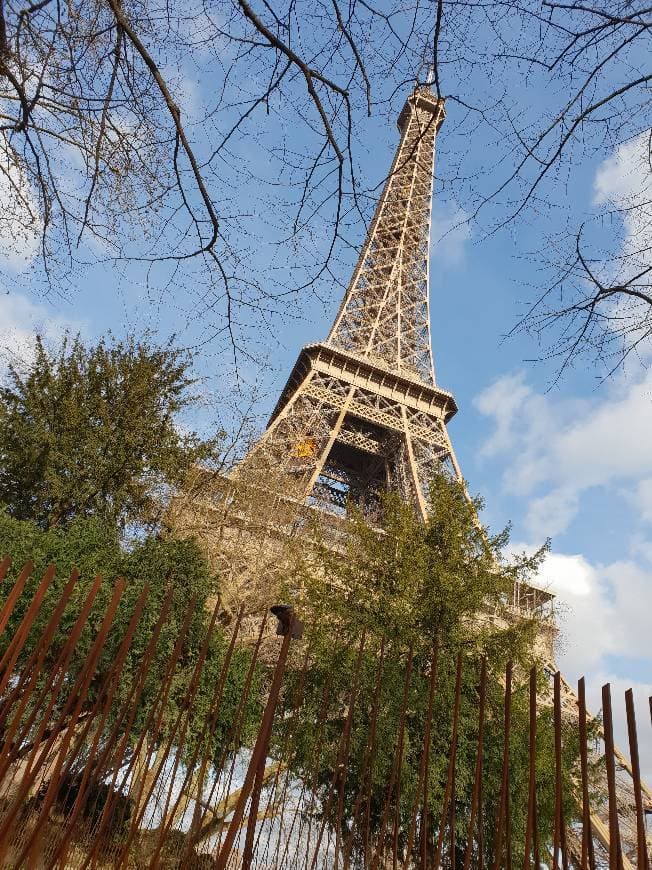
{"points": [[362, 412]]}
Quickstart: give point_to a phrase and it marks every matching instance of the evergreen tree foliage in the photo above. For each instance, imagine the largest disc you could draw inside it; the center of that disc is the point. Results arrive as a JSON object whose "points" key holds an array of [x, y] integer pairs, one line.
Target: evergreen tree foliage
{"points": [[93, 547], [414, 587], [90, 431]]}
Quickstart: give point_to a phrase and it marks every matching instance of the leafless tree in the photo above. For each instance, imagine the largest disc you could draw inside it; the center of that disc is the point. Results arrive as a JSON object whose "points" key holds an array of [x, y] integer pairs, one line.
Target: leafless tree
{"points": [[108, 151], [166, 135], [568, 86]]}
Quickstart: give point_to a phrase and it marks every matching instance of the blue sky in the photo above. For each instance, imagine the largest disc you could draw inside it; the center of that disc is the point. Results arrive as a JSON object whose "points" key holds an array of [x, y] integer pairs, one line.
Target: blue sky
{"points": [[570, 459]]}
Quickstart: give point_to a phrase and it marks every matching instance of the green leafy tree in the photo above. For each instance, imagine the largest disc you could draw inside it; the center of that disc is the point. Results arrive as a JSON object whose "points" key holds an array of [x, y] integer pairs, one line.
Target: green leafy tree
{"points": [[412, 587], [93, 547], [91, 431]]}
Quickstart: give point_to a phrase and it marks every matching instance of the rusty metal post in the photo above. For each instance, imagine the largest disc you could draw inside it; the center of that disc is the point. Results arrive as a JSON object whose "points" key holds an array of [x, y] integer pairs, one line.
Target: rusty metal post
{"points": [[112, 756], [476, 797], [248, 852], [286, 628], [274, 806], [366, 795], [642, 855], [25, 742], [396, 764], [153, 721], [315, 756], [232, 740], [33, 668], [15, 646], [451, 822], [180, 721], [425, 810], [559, 842], [181, 728], [532, 781], [72, 708], [294, 703], [588, 855], [170, 813], [105, 697], [503, 806], [342, 757], [449, 793], [424, 763], [367, 760], [344, 760], [15, 591], [615, 849], [53, 689]]}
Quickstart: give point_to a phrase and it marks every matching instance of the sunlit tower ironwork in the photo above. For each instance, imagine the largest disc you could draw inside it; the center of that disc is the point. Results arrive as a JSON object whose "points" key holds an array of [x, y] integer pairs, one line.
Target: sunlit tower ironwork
{"points": [[362, 411]]}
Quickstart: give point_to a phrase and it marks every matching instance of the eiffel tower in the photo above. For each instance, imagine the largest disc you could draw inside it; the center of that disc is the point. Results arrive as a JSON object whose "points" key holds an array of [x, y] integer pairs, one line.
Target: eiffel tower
{"points": [[362, 412]]}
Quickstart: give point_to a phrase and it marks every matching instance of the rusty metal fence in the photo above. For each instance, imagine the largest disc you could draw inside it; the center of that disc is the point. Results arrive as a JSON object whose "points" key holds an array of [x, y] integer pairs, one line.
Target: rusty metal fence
{"points": [[113, 754]]}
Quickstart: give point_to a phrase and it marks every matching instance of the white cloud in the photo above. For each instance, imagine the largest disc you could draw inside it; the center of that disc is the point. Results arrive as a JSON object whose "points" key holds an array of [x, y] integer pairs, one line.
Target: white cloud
{"points": [[560, 449], [552, 513], [502, 401], [449, 233], [20, 320], [582, 605], [623, 184], [641, 546], [641, 498], [624, 181], [624, 173]]}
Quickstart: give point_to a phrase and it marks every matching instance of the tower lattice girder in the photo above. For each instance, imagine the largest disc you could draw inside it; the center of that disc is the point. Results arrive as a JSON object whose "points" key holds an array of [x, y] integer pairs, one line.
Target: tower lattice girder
{"points": [[362, 413], [385, 314]]}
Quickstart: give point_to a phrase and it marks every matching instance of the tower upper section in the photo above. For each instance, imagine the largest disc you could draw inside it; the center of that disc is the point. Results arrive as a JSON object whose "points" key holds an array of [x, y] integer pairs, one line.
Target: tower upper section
{"points": [[385, 315], [361, 413]]}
